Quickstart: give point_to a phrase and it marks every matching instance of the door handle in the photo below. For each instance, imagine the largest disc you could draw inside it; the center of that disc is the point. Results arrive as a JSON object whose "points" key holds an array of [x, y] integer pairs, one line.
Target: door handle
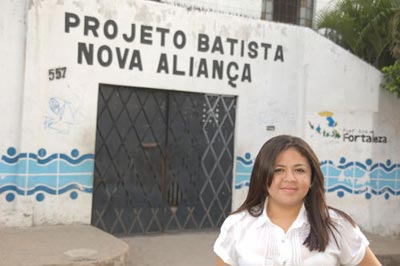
{"points": [[148, 145]]}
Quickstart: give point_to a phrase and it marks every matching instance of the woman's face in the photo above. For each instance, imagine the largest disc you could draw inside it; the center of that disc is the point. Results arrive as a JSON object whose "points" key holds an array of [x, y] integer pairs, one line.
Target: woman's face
{"points": [[291, 179]]}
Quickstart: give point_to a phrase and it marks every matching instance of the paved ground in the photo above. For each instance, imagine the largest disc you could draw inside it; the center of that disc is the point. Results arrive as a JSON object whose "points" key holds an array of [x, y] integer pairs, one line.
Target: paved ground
{"points": [[387, 249], [84, 245], [63, 245], [195, 249], [181, 249]]}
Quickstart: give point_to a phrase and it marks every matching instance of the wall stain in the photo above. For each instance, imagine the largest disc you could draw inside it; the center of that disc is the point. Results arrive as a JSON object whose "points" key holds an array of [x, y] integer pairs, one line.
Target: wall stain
{"points": [[106, 9], [144, 15], [79, 4]]}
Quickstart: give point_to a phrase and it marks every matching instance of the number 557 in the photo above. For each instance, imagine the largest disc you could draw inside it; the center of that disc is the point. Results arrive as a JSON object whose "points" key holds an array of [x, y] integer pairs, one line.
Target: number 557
{"points": [[57, 73]]}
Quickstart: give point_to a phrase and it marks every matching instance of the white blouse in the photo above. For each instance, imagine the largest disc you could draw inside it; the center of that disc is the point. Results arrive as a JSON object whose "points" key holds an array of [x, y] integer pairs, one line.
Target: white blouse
{"points": [[245, 240]]}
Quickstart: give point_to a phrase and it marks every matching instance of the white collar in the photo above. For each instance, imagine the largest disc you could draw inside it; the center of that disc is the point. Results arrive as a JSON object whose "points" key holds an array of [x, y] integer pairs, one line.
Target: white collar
{"points": [[300, 220]]}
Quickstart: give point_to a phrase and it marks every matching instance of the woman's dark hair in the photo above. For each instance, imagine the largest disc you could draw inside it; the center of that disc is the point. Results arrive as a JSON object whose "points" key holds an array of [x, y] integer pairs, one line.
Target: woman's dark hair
{"points": [[321, 224]]}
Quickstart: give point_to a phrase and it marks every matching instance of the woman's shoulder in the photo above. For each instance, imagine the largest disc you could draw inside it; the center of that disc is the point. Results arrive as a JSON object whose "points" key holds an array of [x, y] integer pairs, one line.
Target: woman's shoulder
{"points": [[242, 218], [237, 217], [340, 217], [334, 213], [349, 239]]}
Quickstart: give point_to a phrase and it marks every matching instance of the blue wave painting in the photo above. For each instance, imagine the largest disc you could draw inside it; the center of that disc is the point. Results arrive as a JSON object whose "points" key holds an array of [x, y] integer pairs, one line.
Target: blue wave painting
{"points": [[40, 174], [244, 165], [345, 177]]}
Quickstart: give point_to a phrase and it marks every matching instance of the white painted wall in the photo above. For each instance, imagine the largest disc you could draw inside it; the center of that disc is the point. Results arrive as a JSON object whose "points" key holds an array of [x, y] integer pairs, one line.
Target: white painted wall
{"points": [[314, 81], [12, 54], [246, 8], [359, 107], [385, 220]]}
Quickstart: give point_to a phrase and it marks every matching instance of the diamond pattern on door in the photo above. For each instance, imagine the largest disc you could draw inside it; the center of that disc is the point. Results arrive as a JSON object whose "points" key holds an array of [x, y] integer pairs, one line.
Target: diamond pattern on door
{"points": [[163, 160]]}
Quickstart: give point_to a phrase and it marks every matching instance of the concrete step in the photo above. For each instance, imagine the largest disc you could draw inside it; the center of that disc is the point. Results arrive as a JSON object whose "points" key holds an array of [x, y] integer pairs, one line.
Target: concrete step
{"points": [[387, 249], [62, 245]]}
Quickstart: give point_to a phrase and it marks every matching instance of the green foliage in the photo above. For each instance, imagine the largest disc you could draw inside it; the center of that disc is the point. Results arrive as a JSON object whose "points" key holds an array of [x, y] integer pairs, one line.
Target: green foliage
{"points": [[392, 78], [362, 26], [370, 29], [395, 34]]}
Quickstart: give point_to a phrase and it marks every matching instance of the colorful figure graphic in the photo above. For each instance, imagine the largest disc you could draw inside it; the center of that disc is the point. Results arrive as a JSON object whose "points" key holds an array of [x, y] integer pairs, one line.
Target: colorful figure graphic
{"points": [[327, 126]]}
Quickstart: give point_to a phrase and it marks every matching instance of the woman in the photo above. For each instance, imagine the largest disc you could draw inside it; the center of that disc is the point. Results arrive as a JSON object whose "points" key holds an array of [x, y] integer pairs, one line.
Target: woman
{"points": [[285, 220]]}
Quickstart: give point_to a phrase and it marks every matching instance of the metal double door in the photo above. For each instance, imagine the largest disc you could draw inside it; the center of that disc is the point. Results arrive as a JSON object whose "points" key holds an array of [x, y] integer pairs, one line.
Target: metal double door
{"points": [[163, 160]]}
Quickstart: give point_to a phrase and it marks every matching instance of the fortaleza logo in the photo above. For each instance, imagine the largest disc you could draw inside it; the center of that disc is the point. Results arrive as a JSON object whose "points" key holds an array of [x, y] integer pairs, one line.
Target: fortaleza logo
{"points": [[327, 127], [363, 136]]}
